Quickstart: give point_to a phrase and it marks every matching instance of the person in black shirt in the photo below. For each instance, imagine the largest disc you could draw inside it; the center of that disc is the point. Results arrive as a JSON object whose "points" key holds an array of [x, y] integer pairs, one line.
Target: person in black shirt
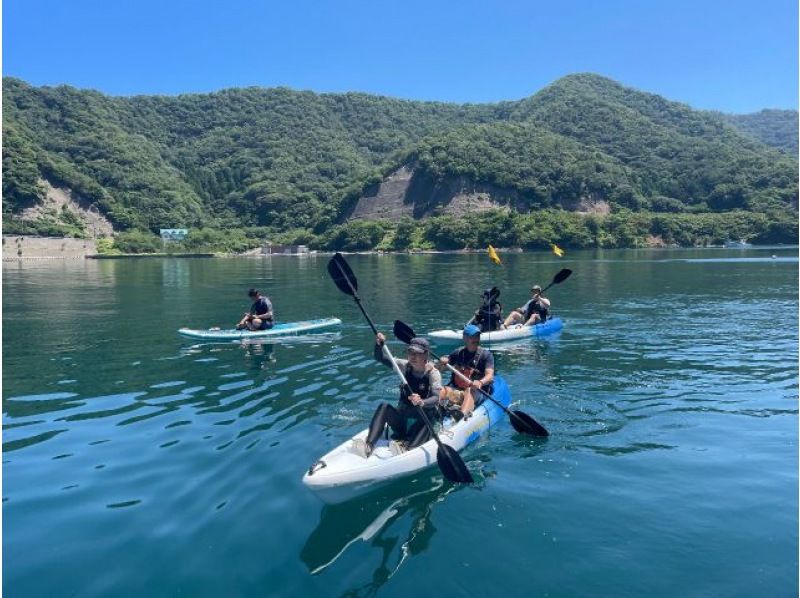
{"points": [[477, 364], [260, 316], [534, 311], [490, 314]]}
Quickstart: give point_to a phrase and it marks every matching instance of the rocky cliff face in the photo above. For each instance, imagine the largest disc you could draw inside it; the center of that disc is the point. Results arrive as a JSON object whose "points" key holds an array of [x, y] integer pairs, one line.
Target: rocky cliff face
{"points": [[407, 193]]}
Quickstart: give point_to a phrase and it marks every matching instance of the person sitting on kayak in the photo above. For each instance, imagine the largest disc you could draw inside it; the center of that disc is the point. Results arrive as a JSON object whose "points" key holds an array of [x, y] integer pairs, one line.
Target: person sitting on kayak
{"points": [[490, 314], [260, 316], [404, 420], [533, 312], [477, 364]]}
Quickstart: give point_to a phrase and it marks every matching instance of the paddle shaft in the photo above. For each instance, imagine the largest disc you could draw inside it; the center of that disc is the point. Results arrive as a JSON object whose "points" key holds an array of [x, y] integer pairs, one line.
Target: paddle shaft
{"points": [[388, 354], [480, 390]]}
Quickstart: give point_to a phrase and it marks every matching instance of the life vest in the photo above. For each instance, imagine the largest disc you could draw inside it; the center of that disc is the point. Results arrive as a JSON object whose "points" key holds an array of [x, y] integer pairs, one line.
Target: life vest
{"points": [[420, 386], [536, 307], [489, 317], [469, 369]]}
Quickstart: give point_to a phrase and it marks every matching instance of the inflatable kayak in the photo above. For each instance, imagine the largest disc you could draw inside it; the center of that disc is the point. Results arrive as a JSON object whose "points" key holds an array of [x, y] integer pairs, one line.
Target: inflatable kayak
{"points": [[284, 329], [498, 336], [344, 473]]}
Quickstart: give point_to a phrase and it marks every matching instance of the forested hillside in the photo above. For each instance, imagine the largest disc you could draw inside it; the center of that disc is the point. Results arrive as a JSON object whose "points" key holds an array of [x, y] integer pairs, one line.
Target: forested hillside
{"points": [[776, 128], [294, 162]]}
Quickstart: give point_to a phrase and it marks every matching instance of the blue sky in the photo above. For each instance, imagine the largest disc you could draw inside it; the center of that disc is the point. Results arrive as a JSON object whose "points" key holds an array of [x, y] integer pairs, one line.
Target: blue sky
{"points": [[735, 56]]}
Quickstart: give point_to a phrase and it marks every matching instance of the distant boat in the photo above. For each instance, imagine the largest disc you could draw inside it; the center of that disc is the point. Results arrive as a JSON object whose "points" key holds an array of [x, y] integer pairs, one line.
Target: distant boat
{"points": [[740, 244]]}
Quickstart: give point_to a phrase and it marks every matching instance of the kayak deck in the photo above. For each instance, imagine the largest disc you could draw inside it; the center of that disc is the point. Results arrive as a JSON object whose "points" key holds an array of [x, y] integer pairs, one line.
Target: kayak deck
{"points": [[344, 473], [283, 329], [551, 326]]}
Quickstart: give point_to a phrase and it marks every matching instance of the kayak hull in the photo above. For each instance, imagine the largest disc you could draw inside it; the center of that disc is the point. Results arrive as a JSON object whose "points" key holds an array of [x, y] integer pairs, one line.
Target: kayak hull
{"points": [[283, 329], [499, 336], [343, 474]]}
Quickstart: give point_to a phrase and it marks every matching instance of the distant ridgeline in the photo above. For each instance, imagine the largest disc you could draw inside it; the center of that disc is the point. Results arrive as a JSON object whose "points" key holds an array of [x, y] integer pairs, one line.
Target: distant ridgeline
{"points": [[584, 162]]}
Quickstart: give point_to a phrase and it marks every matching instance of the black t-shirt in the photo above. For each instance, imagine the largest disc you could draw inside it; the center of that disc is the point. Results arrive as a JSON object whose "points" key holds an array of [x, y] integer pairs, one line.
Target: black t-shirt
{"points": [[261, 306], [473, 365]]}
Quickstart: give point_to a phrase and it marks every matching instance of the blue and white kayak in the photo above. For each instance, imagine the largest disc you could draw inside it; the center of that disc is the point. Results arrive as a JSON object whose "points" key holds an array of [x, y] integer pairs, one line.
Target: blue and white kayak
{"points": [[284, 329], [344, 473], [519, 331]]}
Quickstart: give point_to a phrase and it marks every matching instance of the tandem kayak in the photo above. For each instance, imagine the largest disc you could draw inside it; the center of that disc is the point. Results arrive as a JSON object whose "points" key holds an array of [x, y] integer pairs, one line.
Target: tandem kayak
{"points": [[344, 473], [498, 336], [284, 329]]}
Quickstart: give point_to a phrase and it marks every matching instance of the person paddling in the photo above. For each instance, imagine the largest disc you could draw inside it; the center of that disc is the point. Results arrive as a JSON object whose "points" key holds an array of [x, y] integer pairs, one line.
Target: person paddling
{"points": [[490, 314], [477, 364], [424, 381], [535, 311], [260, 316]]}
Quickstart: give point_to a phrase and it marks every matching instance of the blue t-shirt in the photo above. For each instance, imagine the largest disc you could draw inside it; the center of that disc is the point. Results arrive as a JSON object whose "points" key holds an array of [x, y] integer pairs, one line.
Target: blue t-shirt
{"points": [[261, 306]]}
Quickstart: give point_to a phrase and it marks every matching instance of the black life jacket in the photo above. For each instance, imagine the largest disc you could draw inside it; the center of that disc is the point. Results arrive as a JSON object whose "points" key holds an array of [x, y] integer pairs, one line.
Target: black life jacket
{"points": [[536, 306], [420, 386], [489, 317]]}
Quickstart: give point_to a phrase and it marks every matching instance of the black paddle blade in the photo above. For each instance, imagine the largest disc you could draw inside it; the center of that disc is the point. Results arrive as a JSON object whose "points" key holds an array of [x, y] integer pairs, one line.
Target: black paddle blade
{"points": [[342, 275], [403, 331], [525, 424], [561, 276], [452, 465]]}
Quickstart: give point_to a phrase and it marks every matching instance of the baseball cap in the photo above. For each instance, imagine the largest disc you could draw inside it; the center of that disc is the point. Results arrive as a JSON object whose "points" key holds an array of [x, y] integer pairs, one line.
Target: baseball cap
{"points": [[471, 330], [419, 345]]}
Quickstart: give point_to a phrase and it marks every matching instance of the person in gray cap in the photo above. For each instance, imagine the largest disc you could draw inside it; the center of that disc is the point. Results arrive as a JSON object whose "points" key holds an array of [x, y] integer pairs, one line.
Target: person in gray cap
{"points": [[424, 381], [533, 312]]}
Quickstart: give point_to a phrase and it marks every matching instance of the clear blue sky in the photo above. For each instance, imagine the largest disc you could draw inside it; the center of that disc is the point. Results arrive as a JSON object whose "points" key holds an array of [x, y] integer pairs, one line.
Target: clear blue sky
{"points": [[730, 55]]}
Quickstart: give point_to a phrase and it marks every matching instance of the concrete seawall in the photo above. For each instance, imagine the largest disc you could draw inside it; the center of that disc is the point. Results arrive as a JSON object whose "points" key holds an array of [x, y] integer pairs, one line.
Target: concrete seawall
{"points": [[21, 247]]}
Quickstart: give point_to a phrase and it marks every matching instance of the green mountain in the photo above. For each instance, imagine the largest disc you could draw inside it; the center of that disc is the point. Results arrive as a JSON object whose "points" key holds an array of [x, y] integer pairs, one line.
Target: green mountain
{"points": [[298, 160], [776, 128]]}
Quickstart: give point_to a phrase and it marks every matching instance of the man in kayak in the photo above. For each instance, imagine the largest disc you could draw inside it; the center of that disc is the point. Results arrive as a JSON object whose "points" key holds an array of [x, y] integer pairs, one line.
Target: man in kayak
{"points": [[405, 421], [477, 364], [260, 316], [533, 312], [490, 314]]}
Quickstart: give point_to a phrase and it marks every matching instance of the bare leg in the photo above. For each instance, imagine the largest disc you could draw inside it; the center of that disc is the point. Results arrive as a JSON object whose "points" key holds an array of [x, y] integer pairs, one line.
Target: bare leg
{"points": [[513, 318], [469, 403]]}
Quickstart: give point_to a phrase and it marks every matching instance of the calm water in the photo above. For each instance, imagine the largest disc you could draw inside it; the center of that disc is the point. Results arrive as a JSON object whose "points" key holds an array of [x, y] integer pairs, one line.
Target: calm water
{"points": [[136, 463]]}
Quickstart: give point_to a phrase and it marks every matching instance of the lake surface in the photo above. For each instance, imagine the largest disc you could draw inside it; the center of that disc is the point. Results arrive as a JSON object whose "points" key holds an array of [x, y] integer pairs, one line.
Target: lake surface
{"points": [[137, 463]]}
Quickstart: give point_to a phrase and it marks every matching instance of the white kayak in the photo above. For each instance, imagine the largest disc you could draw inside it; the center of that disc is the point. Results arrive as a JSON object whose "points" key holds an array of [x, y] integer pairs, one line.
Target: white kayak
{"points": [[283, 329], [344, 473], [499, 336]]}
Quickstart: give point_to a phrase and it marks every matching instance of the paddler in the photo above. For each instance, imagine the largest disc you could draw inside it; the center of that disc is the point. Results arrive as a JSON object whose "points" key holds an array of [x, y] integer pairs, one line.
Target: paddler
{"points": [[533, 312], [489, 315], [424, 381], [474, 362], [260, 316]]}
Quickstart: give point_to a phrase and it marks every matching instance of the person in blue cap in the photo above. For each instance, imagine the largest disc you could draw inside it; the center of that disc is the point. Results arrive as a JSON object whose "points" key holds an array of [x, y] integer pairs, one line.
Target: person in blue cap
{"points": [[477, 364]]}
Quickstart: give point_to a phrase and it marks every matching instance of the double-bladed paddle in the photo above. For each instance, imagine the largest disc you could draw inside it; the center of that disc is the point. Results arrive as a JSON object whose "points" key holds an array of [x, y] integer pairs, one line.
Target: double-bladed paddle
{"points": [[522, 422], [450, 462], [559, 278]]}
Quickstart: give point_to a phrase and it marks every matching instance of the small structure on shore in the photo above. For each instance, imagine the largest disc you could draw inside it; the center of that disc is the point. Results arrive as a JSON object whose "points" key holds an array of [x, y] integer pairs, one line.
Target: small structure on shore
{"points": [[173, 234], [270, 249]]}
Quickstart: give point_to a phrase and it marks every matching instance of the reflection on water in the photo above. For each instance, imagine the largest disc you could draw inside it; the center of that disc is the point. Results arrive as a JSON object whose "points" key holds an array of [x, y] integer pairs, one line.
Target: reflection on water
{"points": [[395, 522], [125, 445]]}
